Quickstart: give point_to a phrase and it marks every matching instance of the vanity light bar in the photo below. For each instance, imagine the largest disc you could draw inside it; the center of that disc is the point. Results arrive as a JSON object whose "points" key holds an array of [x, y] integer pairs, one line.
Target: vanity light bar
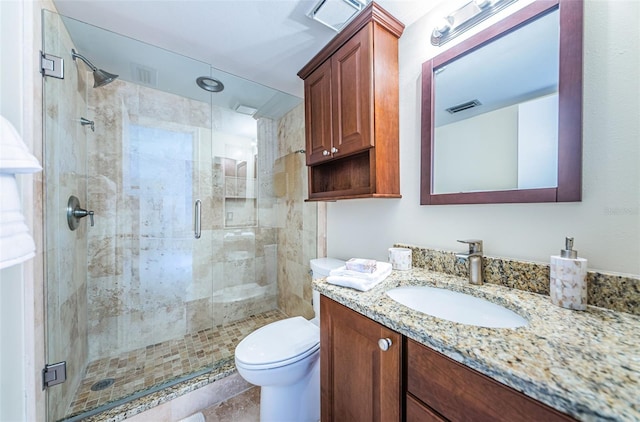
{"points": [[464, 106], [465, 18]]}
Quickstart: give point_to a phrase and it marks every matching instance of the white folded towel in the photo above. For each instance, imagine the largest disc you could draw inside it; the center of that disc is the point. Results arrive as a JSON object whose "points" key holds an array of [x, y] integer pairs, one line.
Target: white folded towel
{"points": [[16, 244], [381, 267], [14, 155], [357, 280]]}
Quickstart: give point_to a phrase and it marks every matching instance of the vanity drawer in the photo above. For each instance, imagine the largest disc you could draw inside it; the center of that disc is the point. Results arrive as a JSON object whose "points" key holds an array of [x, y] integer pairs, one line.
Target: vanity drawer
{"points": [[461, 394], [418, 412]]}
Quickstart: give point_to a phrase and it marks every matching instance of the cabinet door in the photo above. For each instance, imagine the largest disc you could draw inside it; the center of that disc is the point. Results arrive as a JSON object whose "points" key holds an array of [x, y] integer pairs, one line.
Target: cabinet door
{"points": [[359, 381], [317, 114], [351, 73]]}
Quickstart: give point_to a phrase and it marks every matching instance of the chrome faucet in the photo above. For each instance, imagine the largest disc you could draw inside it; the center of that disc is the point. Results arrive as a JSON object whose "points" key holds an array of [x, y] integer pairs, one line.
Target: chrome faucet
{"points": [[475, 260]]}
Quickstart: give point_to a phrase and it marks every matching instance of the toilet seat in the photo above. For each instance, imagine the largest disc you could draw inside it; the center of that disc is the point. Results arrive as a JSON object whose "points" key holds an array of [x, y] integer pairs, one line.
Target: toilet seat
{"points": [[278, 344]]}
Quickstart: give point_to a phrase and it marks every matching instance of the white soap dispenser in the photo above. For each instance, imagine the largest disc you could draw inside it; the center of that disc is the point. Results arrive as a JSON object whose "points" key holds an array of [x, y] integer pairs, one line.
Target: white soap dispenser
{"points": [[568, 278]]}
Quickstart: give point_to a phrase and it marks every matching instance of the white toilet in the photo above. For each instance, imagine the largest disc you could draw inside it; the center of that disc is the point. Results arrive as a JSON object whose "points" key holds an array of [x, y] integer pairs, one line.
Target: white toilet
{"points": [[283, 358]]}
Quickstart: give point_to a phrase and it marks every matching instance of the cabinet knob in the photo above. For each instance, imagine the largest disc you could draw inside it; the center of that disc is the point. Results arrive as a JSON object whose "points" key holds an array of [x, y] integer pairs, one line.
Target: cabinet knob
{"points": [[384, 344], [325, 152], [334, 150]]}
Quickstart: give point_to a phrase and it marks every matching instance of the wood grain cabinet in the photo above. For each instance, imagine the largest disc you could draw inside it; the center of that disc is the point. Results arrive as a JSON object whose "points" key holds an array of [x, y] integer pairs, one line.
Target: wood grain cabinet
{"points": [[407, 382], [439, 389], [359, 381], [351, 110]]}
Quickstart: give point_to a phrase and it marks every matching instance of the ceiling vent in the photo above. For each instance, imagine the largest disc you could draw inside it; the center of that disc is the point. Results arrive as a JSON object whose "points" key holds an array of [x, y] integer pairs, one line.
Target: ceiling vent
{"points": [[144, 75], [336, 13], [464, 106]]}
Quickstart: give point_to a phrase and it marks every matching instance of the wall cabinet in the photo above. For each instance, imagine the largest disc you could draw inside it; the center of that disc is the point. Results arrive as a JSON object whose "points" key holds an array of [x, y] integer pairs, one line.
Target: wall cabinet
{"points": [[351, 111], [360, 382]]}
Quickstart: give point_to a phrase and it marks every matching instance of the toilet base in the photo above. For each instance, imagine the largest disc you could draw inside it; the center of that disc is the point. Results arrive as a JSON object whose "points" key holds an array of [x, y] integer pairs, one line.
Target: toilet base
{"points": [[299, 402]]}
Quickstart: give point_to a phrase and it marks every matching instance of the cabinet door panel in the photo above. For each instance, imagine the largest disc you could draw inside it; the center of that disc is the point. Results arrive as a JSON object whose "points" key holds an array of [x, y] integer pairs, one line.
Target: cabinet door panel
{"points": [[359, 381], [318, 121], [351, 70]]}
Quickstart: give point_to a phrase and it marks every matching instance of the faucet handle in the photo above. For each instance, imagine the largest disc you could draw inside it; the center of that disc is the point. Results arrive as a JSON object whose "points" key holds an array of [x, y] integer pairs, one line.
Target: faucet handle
{"points": [[475, 245]]}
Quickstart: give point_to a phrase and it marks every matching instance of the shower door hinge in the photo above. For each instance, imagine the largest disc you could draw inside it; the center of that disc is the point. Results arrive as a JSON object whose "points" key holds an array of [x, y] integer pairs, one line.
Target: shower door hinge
{"points": [[51, 65], [54, 374]]}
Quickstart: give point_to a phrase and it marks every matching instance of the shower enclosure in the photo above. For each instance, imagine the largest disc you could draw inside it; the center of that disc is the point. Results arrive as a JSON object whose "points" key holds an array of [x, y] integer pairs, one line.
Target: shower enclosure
{"points": [[197, 216]]}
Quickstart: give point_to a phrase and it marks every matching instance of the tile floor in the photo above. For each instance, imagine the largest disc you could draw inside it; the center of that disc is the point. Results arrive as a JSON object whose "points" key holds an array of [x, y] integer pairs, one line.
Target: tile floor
{"points": [[244, 407], [144, 368]]}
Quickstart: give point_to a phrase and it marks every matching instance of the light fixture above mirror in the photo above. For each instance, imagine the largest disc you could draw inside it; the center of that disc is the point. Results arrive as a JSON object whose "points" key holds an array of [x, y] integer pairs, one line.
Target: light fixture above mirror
{"points": [[544, 73], [466, 17]]}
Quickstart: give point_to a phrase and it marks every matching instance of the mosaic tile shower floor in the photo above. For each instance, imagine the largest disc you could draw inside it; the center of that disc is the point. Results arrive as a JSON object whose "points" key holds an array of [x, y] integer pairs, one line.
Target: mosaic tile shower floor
{"points": [[144, 368]]}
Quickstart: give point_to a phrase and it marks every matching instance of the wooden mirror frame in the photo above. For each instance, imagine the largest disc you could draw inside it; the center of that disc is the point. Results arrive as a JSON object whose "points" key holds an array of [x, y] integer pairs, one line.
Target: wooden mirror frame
{"points": [[569, 109]]}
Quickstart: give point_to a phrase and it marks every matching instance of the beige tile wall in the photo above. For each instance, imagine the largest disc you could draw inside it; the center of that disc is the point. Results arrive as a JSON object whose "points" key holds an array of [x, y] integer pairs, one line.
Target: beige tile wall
{"points": [[297, 237]]}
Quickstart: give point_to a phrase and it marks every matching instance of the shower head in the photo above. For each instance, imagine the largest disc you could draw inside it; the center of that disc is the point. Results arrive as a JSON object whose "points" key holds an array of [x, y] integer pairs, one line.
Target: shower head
{"points": [[100, 77]]}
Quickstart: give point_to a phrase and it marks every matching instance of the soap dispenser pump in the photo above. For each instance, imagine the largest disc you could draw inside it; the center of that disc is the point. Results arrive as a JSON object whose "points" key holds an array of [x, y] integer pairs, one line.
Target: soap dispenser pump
{"points": [[568, 278]]}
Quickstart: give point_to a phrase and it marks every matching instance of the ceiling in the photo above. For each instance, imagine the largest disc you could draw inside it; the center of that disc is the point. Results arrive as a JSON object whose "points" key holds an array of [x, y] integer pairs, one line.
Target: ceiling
{"points": [[266, 41]]}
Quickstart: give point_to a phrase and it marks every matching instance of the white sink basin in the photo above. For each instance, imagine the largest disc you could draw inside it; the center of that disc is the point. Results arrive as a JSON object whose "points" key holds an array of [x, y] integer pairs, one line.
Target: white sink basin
{"points": [[456, 307]]}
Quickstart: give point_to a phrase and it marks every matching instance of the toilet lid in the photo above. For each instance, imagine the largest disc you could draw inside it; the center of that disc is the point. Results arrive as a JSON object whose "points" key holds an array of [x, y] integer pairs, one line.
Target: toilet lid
{"points": [[279, 342]]}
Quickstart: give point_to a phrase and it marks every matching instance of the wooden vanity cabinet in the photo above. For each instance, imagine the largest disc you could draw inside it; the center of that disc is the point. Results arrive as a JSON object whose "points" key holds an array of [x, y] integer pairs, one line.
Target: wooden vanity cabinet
{"points": [[359, 381], [408, 382], [439, 388], [351, 110]]}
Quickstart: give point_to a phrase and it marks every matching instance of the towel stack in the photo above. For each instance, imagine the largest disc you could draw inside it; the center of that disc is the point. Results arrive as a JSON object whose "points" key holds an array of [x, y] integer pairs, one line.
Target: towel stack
{"points": [[16, 244], [360, 274]]}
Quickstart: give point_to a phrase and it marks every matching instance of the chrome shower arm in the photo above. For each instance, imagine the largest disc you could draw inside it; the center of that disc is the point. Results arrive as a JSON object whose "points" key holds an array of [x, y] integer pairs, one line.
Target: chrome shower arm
{"points": [[75, 55]]}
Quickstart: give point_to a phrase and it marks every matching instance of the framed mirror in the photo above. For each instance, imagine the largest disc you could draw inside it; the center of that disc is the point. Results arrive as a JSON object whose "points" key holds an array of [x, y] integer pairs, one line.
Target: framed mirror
{"points": [[502, 112]]}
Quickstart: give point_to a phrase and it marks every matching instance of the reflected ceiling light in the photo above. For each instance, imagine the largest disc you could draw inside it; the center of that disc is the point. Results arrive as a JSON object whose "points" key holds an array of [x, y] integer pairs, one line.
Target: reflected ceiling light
{"points": [[209, 84], [336, 13], [465, 18]]}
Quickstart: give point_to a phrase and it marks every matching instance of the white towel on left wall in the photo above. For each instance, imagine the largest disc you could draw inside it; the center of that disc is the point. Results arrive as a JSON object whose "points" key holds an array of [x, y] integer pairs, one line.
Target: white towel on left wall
{"points": [[16, 244], [15, 156], [360, 281]]}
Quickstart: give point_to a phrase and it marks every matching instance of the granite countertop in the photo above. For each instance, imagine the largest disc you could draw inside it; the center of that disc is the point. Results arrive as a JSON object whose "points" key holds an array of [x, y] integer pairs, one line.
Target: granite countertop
{"points": [[584, 363]]}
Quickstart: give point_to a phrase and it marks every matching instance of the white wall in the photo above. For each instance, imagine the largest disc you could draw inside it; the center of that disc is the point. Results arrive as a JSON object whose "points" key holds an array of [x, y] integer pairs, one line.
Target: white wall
{"points": [[12, 367], [538, 143], [606, 224], [21, 324], [478, 153]]}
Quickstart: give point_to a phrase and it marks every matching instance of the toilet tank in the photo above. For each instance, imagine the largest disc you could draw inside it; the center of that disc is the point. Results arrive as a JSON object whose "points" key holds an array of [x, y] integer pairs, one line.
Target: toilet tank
{"points": [[320, 267]]}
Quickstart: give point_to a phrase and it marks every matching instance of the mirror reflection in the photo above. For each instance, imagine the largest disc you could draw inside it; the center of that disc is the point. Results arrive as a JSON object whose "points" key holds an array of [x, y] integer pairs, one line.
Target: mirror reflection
{"points": [[495, 113]]}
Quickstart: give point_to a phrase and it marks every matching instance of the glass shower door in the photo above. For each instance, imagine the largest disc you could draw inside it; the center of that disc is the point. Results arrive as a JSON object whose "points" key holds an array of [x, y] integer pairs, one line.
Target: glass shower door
{"points": [[136, 303], [65, 172], [127, 297]]}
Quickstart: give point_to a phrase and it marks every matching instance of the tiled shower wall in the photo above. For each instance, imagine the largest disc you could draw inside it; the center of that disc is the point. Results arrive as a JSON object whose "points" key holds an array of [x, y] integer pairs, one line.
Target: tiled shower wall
{"points": [[65, 175], [297, 237], [149, 280]]}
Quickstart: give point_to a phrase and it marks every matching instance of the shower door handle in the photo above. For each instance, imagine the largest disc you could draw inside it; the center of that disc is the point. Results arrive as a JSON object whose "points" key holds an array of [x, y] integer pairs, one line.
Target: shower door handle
{"points": [[197, 227]]}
